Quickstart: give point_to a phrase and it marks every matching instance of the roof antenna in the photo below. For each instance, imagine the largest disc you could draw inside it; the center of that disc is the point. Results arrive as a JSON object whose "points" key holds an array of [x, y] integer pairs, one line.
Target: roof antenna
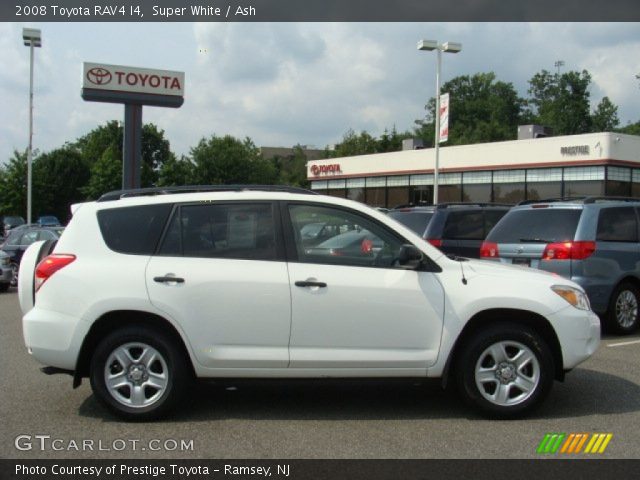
{"points": [[464, 280]]}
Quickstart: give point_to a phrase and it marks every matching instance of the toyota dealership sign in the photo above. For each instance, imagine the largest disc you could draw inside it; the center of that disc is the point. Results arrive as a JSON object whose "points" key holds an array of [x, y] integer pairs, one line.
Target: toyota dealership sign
{"points": [[132, 79], [132, 85]]}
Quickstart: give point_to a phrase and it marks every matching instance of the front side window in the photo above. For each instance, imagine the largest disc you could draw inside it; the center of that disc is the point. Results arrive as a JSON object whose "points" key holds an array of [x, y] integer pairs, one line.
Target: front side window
{"points": [[352, 238], [239, 231]]}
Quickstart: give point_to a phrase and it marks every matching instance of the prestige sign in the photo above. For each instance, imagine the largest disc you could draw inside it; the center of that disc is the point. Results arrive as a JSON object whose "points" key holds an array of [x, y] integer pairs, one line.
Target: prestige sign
{"points": [[118, 78]]}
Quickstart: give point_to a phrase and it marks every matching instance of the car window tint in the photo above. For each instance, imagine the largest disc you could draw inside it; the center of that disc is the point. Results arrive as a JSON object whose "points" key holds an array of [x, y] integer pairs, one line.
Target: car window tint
{"points": [[28, 238], [617, 225], [351, 238], [536, 224], [133, 230], [467, 225], [239, 231], [491, 217], [46, 235], [416, 221]]}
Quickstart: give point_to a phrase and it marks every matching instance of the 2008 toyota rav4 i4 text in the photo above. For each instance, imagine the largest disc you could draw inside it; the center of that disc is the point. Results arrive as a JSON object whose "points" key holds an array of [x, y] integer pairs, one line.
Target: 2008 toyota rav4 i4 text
{"points": [[149, 289]]}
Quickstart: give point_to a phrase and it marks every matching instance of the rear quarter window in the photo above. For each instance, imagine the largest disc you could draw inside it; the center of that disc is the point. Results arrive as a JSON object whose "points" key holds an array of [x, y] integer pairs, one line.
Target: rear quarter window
{"points": [[467, 225], [617, 225], [133, 230], [536, 225]]}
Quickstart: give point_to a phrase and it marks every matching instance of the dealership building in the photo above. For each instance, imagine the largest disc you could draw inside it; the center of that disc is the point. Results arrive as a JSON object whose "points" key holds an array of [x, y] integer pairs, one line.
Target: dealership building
{"points": [[501, 172]]}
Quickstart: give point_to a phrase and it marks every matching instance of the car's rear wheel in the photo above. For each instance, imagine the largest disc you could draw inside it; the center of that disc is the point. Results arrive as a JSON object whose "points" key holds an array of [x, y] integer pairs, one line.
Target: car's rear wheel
{"points": [[139, 373], [505, 370], [622, 316], [4, 287]]}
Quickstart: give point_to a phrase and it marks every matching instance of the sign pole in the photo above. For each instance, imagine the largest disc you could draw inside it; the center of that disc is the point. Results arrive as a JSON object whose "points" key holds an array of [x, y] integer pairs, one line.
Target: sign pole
{"points": [[132, 146]]}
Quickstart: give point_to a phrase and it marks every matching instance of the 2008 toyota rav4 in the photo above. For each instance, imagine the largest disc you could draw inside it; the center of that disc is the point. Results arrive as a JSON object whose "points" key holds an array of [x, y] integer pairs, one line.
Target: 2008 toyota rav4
{"points": [[146, 290]]}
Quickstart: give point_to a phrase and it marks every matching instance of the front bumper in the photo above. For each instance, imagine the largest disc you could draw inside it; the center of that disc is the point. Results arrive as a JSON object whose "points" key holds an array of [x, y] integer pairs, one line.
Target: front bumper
{"points": [[6, 274], [578, 333]]}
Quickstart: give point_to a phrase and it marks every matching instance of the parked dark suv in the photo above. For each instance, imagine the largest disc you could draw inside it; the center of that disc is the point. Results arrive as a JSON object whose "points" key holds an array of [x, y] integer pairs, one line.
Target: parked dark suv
{"points": [[593, 241], [455, 228]]}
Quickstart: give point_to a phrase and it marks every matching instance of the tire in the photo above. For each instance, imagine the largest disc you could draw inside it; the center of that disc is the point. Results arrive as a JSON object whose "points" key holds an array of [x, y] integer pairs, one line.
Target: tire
{"points": [[493, 380], [15, 268], [623, 312], [4, 287], [149, 373]]}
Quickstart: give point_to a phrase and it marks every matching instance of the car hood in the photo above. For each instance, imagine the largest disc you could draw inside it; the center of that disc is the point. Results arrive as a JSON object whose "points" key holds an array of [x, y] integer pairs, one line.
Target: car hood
{"points": [[496, 269]]}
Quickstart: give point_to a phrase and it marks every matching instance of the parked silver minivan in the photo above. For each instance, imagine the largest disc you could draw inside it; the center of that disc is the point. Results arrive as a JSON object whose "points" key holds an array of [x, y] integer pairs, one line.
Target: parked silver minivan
{"points": [[593, 241]]}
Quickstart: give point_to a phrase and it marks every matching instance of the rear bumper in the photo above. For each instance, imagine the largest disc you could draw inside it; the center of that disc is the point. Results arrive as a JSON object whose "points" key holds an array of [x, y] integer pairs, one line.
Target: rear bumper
{"points": [[52, 338], [578, 333]]}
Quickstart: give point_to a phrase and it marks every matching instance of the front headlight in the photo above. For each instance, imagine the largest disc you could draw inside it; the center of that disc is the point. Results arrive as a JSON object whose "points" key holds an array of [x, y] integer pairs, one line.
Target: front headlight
{"points": [[575, 297]]}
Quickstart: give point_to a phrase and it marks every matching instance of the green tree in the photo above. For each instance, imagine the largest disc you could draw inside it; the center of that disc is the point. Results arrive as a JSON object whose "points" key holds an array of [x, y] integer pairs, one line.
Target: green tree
{"points": [[175, 171], [13, 185], [155, 148], [482, 109], [227, 160], [630, 129], [292, 169], [355, 144], [106, 174], [605, 116], [561, 101], [58, 179]]}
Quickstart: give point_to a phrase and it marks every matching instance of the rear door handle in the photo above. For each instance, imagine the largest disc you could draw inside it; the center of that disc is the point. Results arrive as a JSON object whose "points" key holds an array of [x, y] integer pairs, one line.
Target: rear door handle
{"points": [[168, 279], [310, 284]]}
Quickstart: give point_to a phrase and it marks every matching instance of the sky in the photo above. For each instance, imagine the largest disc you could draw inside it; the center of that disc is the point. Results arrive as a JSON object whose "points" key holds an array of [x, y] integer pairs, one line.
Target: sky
{"points": [[283, 84]]}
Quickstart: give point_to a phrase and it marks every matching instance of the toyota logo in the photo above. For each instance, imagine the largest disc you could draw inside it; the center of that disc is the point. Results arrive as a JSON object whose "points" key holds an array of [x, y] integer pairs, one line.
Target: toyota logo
{"points": [[99, 76], [315, 169]]}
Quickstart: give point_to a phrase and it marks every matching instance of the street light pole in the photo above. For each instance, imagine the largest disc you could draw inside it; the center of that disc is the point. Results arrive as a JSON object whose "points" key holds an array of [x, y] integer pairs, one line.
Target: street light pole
{"points": [[449, 47], [32, 38]]}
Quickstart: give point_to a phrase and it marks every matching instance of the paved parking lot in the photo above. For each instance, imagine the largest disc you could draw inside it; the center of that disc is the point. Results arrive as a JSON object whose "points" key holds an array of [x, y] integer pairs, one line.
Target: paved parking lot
{"points": [[310, 419]]}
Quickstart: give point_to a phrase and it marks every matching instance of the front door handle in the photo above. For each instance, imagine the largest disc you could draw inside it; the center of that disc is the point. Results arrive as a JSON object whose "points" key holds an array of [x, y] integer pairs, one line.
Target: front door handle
{"points": [[310, 284], [168, 279]]}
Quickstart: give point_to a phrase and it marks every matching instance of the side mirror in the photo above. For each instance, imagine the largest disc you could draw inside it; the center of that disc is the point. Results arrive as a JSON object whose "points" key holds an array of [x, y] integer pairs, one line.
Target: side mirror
{"points": [[410, 257]]}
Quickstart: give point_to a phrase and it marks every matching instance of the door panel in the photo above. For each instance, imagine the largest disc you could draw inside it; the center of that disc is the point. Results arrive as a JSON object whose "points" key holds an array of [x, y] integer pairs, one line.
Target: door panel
{"points": [[234, 299], [365, 317], [353, 306]]}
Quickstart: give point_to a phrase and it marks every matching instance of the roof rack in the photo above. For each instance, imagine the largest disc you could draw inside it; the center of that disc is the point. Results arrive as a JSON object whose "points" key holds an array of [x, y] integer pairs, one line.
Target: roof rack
{"points": [[412, 205], [472, 204], [141, 192], [584, 200]]}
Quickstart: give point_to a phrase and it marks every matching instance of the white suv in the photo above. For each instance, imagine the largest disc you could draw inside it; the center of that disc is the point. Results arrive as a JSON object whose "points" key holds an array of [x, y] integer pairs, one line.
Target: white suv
{"points": [[148, 289]]}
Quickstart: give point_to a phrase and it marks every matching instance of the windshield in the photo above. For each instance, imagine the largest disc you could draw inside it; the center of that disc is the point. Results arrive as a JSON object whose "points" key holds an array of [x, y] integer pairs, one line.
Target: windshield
{"points": [[536, 226]]}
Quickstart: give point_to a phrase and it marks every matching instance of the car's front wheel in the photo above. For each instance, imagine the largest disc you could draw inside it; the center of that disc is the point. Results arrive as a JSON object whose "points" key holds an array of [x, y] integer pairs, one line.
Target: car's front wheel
{"points": [[139, 373], [505, 370]]}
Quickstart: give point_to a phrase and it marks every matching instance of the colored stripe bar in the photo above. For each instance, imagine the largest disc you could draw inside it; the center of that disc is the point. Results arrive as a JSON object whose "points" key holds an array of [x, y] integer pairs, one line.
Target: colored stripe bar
{"points": [[556, 446], [605, 443]]}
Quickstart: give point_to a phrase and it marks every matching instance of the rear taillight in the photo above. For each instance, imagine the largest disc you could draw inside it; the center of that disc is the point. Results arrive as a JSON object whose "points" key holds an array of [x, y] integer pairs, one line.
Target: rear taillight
{"points": [[568, 250], [50, 265], [436, 242], [489, 250]]}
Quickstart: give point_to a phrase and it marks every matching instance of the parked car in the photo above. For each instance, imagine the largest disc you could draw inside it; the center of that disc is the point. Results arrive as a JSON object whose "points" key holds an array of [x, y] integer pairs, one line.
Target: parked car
{"points": [[592, 241], [19, 240], [48, 221], [10, 222], [144, 292], [455, 228], [6, 272]]}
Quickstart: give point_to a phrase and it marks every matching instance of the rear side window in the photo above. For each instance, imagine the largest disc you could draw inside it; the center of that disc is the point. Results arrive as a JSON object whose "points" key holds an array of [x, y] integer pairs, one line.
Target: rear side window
{"points": [[467, 225], [239, 231], [416, 221], [133, 230], [617, 225], [544, 225]]}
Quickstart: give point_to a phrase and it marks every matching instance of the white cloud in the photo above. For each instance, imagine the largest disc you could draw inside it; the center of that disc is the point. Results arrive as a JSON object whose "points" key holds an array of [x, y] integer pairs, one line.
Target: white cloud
{"points": [[284, 83]]}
